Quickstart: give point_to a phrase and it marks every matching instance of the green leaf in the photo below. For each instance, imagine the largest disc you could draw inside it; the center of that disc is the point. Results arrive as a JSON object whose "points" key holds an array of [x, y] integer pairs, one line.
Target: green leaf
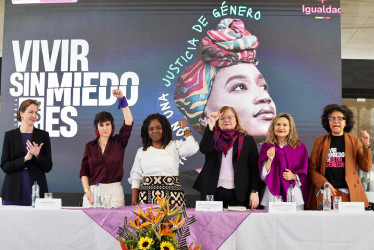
{"points": [[157, 235], [131, 242], [132, 235]]}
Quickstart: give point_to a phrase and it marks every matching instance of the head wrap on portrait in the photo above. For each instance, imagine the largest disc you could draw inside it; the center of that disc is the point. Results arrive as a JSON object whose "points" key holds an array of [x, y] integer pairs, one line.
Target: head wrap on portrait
{"points": [[229, 44]]}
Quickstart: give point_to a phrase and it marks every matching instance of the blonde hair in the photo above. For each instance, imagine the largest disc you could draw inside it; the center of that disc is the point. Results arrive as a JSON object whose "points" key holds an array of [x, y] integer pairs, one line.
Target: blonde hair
{"points": [[23, 107], [238, 124], [292, 138]]}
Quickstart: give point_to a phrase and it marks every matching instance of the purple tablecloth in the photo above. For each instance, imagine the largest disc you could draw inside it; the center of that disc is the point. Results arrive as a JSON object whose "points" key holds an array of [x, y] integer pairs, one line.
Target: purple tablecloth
{"points": [[211, 229]]}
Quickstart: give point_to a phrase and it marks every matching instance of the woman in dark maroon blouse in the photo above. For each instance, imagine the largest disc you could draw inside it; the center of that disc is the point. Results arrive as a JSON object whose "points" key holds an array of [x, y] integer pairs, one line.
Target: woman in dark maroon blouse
{"points": [[103, 157]]}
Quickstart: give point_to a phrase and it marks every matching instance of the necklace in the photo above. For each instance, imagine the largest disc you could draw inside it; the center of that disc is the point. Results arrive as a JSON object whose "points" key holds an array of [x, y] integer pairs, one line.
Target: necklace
{"points": [[102, 146]]}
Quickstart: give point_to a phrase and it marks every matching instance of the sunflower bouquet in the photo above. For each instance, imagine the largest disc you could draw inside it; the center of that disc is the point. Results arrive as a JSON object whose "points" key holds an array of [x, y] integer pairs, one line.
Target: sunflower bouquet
{"points": [[162, 226]]}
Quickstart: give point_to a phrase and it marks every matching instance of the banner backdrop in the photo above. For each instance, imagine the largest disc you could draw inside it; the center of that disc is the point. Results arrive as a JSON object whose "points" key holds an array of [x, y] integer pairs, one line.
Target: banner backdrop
{"points": [[69, 56]]}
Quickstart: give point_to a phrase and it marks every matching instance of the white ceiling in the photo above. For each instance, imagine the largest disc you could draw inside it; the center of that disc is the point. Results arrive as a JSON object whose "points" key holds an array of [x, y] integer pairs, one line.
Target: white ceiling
{"points": [[357, 28]]}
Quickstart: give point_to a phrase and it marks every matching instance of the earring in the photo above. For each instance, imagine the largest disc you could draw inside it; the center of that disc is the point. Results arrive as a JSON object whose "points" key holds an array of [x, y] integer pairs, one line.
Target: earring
{"points": [[97, 132], [112, 132]]}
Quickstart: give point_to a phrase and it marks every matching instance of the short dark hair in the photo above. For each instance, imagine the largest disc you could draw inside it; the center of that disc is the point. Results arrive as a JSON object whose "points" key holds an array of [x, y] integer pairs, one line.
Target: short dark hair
{"points": [[348, 116], [166, 130], [101, 117], [23, 107]]}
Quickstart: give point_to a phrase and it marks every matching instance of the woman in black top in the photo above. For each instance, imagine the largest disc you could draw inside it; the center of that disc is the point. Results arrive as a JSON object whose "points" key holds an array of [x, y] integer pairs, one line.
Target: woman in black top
{"points": [[26, 157], [230, 170]]}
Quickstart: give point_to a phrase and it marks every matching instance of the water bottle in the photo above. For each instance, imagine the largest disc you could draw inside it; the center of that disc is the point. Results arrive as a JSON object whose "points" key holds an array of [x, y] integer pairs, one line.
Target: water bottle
{"points": [[291, 194], [97, 195], [35, 193], [327, 198]]}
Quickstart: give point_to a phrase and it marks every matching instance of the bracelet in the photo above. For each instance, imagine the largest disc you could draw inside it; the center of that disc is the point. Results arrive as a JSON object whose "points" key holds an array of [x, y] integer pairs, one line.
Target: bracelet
{"points": [[254, 192], [86, 190], [122, 103], [367, 146], [186, 131]]}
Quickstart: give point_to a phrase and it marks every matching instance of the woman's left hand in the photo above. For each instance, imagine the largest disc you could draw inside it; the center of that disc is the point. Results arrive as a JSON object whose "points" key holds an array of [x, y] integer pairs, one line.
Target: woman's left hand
{"points": [[33, 148], [182, 123], [288, 175], [365, 137], [117, 93], [254, 200]]}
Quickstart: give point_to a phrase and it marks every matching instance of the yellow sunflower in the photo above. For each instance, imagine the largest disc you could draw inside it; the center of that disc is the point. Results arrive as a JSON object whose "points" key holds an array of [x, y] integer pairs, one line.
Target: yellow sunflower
{"points": [[166, 246], [145, 243]]}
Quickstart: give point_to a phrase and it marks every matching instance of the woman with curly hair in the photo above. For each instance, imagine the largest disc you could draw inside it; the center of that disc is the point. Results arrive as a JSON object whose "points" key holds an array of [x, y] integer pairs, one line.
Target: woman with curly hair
{"points": [[334, 158], [156, 166], [283, 161], [230, 170]]}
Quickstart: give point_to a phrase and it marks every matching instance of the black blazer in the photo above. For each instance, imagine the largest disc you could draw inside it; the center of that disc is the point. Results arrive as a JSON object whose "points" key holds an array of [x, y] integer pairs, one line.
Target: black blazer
{"points": [[246, 177], [12, 163]]}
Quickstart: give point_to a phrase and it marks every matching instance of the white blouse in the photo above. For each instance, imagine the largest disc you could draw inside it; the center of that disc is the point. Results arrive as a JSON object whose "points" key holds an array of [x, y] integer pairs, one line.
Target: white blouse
{"points": [[268, 196], [161, 162]]}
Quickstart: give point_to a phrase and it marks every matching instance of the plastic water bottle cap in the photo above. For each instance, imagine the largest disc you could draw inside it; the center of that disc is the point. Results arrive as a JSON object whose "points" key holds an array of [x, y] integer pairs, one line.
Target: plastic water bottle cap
{"points": [[291, 185], [35, 182], [97, 184], [327, 185]]}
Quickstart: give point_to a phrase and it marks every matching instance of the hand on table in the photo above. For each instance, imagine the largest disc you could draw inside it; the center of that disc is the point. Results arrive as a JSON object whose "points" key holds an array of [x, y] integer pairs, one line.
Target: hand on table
{"points": [[90, 197], [254, 200]]}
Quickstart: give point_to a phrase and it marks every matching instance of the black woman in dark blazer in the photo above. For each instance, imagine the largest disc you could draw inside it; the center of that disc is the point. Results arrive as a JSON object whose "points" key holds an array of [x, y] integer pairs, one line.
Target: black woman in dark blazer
{"points": [[26, 157], [230, 170]]}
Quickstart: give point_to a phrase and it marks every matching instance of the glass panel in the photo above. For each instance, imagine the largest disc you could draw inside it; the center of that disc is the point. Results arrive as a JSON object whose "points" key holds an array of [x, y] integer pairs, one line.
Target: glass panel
{"points": [[363, 111]]}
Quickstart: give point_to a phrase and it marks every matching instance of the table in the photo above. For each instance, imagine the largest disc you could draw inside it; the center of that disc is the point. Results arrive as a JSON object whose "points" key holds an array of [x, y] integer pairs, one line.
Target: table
{"points": [[27, 228], [304, 230]]}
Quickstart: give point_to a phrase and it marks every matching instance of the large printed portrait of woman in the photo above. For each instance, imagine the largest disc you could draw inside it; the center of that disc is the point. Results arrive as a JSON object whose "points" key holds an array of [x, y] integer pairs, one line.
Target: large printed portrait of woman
{"points": [[226, 74]]}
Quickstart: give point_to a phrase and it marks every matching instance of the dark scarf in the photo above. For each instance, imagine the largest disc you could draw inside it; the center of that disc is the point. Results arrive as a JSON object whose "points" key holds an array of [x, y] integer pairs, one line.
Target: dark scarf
{"points": [[225, 139]]}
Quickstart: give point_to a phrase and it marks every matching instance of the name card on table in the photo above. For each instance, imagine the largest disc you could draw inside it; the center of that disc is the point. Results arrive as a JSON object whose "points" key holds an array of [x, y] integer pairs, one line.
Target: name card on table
{"points": [[48, 203], [282, 207], [351, 207], [209, 206]]}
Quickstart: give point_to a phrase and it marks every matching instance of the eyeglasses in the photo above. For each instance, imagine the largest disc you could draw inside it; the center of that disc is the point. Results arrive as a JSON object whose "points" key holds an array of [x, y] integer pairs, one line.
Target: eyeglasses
{"points": [[229, 117], [336, 118]]}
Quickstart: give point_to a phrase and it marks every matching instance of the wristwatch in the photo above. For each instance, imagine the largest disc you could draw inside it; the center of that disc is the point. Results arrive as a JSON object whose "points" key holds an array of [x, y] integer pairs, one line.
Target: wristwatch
{"points": [[254, 192]]}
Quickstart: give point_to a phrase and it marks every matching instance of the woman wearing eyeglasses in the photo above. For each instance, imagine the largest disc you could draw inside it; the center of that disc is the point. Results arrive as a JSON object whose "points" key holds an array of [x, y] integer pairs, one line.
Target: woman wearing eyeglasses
{"points": [[230, 170], [335, 156]]}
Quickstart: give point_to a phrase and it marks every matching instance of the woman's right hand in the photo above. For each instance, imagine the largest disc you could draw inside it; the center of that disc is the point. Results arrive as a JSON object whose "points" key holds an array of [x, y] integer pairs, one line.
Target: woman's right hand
{"points": [[333, 190], [271, 153], [89, 197], [213, 117]]}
